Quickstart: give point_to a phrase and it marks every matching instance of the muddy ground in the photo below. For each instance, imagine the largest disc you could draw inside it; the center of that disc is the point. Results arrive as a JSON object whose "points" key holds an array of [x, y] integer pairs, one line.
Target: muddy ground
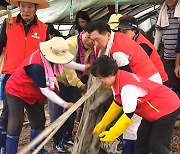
{"points": [[24, 140]]}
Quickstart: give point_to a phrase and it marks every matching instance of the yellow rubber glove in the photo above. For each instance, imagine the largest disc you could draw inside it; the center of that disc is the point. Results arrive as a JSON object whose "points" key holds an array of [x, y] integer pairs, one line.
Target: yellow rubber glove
{"points": [[113, 111], [120, 126]]}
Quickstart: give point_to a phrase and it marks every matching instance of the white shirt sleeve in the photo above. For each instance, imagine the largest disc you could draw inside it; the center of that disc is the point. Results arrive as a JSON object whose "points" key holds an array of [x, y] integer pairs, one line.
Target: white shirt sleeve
{"points": [[121, 58], [51, 95], [75, 66], [157, 38], [129, 96]]}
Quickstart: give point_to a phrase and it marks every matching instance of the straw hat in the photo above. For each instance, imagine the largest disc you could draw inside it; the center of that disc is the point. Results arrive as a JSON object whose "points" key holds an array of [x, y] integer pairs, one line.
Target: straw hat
{"points": [[114, 21], [56, 50], [42, 4]]}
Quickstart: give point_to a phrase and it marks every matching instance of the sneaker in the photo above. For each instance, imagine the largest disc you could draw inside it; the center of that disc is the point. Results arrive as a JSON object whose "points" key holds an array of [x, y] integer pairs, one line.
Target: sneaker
{"points": [[61, 148], [43, 151], [70, 141]]}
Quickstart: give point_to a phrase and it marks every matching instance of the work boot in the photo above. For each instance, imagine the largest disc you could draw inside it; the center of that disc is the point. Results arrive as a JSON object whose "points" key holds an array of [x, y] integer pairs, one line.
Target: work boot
{"points": [[12, 144], [34, 134], [2, 141], [70, 141], [61, 148]]}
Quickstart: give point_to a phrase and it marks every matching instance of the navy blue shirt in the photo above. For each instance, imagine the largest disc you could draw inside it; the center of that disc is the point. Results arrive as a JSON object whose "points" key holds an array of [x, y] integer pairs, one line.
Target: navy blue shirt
{"points": [[37, 73]]}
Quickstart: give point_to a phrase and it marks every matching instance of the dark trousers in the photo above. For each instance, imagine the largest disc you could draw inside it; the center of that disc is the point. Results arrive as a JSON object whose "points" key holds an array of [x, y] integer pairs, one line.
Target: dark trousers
{"points": [[156, 137], [69, 94], [4, 114], [16, 108], [173, 82]]}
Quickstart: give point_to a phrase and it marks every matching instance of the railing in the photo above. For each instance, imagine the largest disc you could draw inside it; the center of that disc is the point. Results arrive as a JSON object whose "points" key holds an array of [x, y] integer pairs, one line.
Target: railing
{"points": [[54, 127]]}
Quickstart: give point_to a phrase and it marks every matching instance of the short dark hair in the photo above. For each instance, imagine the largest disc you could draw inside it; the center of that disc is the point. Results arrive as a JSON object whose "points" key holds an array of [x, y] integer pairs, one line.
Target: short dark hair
{"points": [[104, 66], [54, 31], [129, 19], [101, 26], [87, 28]]}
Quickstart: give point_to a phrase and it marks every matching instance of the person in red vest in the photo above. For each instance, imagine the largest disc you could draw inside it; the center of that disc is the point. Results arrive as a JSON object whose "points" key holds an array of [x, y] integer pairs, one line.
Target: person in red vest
{"points": [[130, 57], [155, 103], [28, 86], [129, 26], [17, 41]]}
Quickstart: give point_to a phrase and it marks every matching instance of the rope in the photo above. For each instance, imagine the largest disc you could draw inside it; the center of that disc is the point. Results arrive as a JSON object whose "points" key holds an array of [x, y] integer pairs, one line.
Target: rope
{"points": [[58, 123], [10, 22], [71, 10], [116, 6]]}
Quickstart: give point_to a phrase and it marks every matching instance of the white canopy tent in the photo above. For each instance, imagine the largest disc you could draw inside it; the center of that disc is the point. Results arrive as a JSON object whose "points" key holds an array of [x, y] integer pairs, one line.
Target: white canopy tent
{"points": [[59, 9]]}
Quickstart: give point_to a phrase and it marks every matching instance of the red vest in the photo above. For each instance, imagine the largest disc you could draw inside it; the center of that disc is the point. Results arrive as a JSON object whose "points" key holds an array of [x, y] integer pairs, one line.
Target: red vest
{"points": [[158, 102], [155, 58], [139, 61], [21, 85], [19, 46]]}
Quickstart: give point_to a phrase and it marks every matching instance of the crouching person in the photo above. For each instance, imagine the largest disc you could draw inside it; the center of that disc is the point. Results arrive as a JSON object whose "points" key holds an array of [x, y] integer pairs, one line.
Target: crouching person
{"points": [[155, 103], [28, 86]]}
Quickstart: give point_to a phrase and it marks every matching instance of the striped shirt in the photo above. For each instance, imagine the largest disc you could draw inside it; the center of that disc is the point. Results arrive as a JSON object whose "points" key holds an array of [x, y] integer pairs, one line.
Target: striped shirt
{"points": [[170, 35], [178, 42]]}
